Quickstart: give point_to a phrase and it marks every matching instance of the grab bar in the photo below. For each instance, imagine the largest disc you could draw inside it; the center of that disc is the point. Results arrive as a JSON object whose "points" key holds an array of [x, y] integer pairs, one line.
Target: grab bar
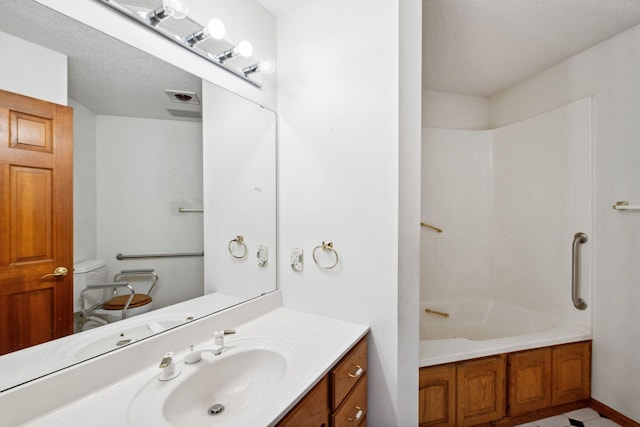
{"points": [[433, 227], [120, 257], [439, 313], [187, 210], [578, 239]]}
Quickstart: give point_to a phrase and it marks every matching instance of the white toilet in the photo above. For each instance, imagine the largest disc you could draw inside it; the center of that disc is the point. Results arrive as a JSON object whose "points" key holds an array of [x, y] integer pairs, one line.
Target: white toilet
{"points": [[89, 272]]}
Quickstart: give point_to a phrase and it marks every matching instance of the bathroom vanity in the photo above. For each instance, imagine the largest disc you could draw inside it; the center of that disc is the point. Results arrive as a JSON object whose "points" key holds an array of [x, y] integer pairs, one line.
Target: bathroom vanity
{"points": [[279, 365]]}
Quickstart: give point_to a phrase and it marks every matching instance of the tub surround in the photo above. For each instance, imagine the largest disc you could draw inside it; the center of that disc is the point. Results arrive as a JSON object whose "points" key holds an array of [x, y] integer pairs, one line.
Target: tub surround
{"points": [[117, 377]]}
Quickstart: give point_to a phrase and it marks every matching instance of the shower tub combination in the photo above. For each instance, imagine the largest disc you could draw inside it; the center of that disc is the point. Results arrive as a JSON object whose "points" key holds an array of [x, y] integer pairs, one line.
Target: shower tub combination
{"points": [[485, 361], [482, 327]]}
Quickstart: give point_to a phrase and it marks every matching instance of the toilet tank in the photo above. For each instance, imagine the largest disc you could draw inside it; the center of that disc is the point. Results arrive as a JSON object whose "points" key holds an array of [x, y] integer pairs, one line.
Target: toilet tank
{"points": [[85, 273]]}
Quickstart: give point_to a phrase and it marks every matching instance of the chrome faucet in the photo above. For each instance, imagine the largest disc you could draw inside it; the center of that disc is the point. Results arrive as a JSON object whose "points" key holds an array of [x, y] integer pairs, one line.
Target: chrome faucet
{"points": [[168, 366]]}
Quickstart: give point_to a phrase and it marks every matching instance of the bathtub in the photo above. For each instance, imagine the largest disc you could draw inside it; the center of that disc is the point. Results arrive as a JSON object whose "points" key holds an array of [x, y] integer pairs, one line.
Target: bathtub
{"points": [[482, 327]]}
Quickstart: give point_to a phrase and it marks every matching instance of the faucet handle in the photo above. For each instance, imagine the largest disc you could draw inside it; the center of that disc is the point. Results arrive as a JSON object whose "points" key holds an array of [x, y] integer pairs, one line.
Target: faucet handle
{"points": [[168, 366], [219, 335], [167, 360]]}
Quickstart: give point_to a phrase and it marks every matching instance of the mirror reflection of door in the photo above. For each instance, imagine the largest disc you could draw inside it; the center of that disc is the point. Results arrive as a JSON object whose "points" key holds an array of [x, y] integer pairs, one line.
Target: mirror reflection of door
{"points": [[36, 221]]}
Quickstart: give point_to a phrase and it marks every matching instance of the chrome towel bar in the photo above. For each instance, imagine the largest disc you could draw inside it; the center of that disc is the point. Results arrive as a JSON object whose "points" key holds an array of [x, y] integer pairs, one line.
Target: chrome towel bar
{"points": [[121, 257]]}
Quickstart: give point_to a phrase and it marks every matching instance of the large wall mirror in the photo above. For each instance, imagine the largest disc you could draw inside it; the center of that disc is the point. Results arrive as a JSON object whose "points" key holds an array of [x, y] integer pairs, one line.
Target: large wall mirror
{"points": [[184, 185]]}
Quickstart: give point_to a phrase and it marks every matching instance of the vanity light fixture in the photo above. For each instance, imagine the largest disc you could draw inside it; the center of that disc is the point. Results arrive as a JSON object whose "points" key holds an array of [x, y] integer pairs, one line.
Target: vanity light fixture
{"points": [[188, 33], [214, 29], [243, 49], [175, 9], [265, 67]]}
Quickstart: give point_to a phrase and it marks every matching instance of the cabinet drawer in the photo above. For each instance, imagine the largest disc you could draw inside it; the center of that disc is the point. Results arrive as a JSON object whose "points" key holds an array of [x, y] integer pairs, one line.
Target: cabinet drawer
{"points": [[353, 410], [312, 411], [347, 373]]}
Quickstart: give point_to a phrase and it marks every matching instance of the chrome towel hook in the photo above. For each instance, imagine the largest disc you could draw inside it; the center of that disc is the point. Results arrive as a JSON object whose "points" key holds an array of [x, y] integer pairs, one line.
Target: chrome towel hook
{"points": [[239, 243], [327, 247]]}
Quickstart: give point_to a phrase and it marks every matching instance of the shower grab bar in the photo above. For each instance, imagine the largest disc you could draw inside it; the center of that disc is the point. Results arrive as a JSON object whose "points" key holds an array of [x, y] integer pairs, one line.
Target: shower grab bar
{"points": [[121, 257], [578, 239], [424, 224], [188, 210]]}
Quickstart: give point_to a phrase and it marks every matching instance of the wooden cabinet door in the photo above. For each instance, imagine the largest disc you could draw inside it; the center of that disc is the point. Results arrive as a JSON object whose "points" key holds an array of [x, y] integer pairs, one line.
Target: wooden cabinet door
{"points": [[481, 390], [36, 221], [571, 373], [437, 396], [529, 374], [312, 411]]}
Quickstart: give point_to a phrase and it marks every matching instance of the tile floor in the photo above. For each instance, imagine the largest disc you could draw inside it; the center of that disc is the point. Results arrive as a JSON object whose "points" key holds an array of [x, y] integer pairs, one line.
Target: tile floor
{"points": [[585, 417]]}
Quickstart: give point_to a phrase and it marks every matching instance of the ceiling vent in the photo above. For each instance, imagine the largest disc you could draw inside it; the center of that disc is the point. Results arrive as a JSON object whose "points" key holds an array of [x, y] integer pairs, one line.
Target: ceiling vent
{"points": [[182, 96]]}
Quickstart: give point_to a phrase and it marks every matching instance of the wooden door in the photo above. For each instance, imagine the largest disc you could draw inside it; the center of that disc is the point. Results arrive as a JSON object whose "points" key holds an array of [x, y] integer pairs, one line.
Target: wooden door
{"points": [[36, 221]]}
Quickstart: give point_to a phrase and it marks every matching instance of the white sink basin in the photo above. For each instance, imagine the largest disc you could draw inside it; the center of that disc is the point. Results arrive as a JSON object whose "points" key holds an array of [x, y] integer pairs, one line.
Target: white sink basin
{"points": [[223, 390]]}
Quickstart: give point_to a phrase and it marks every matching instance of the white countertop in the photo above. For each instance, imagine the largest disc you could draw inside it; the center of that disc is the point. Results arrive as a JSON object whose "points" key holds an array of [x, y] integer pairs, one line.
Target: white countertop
{"points": [[317, 342]]}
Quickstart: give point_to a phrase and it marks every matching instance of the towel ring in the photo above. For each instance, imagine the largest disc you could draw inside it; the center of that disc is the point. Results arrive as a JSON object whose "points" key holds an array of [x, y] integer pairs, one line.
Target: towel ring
{"points": [[325, 246], [239, 241]]}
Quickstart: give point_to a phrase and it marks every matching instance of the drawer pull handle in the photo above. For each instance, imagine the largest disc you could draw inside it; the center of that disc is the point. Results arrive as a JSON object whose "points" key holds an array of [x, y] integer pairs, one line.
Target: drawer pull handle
{"points": [[357, 416], [357, 373]]}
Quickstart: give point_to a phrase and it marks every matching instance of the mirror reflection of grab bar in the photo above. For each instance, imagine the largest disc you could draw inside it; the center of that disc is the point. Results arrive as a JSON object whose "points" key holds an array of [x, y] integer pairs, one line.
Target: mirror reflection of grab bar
{"points": [[578, 239], [175, 255]]}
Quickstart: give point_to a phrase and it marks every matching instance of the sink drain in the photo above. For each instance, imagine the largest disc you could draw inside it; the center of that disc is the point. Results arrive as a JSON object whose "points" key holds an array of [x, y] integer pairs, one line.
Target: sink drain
{"points": [[216, 409]]}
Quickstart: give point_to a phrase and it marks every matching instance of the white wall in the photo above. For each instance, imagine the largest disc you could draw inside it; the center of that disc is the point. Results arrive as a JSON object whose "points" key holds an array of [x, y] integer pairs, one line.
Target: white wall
{"points": [[146, 169], [32, 70], [85, 239], [609, 72], [339, 179], [454, 111], [410, 17]]}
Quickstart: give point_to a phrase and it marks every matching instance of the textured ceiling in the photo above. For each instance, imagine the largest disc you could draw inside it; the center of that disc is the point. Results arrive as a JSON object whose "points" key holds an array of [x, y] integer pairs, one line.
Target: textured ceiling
{"points": [[281, 7], [105, 75], [478, 47]]}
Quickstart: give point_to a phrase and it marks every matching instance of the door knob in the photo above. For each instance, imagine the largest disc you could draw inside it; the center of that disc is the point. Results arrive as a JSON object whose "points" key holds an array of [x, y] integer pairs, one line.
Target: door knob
{"points": [[60, 271]]}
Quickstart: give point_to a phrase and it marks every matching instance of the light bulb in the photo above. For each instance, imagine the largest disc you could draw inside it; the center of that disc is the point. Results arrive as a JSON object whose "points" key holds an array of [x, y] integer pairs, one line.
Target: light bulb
{"points": [[244, 49], [177, 9], [214, 29], [267, 66]]}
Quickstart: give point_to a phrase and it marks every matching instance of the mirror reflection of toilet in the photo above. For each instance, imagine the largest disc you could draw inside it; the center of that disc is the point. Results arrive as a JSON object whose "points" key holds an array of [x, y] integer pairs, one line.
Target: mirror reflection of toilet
{"points": [[100, 302]]}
